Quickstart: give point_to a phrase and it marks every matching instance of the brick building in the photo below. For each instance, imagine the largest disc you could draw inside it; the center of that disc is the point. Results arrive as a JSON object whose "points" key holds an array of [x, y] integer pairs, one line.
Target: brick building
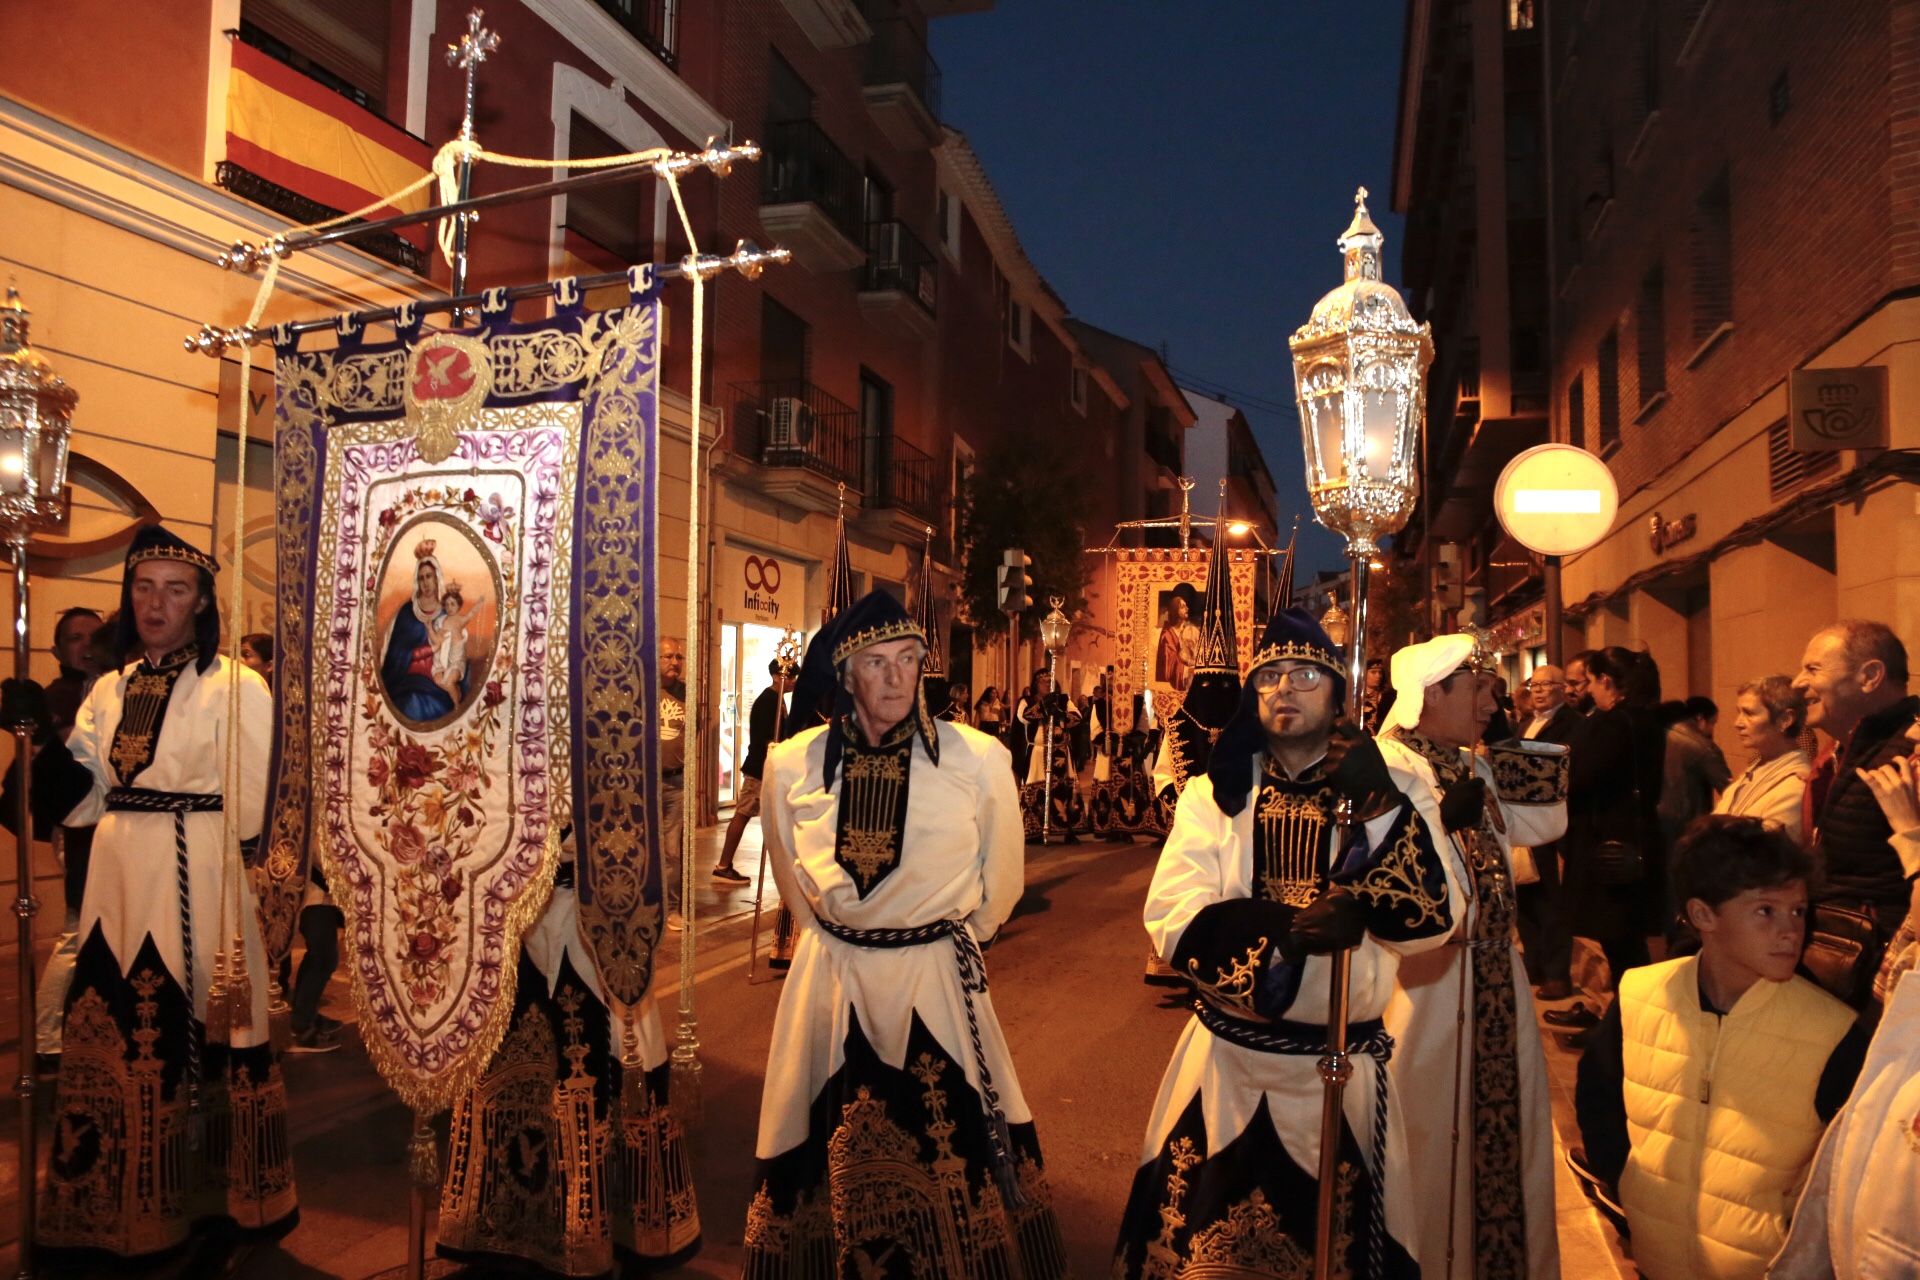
{"points": [[910, 334], [1730, 198]]}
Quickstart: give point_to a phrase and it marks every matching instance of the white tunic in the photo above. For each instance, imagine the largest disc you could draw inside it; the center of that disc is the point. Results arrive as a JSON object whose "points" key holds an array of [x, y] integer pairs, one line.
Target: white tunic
{"points": [[1859, 1217], [1424, 1019], [963, 857], [1208, 858], [132, 883]]}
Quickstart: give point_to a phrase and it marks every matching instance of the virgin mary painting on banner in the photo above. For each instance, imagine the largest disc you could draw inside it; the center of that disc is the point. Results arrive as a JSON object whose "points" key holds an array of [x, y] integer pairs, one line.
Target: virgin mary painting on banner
{"points": [[478, 512]]}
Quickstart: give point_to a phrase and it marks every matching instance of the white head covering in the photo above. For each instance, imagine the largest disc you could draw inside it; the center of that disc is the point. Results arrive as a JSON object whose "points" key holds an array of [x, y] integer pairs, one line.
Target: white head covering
{"points": [[1418, 666]]}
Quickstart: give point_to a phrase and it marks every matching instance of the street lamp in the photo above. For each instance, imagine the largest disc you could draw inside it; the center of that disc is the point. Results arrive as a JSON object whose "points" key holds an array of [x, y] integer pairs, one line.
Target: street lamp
{"points": [[36, 415], [1359, 369], [1055, 628]]}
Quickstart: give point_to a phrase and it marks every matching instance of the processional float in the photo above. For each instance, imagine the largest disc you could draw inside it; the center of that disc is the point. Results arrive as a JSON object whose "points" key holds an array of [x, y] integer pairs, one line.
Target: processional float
{"points": [[487, 494]]}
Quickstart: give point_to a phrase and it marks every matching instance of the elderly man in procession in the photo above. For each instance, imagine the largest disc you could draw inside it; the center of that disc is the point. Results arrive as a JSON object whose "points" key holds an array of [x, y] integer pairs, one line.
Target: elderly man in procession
{"points": [[1261, 880], [1479, 1123], [170, 1116], [894, 1139]]}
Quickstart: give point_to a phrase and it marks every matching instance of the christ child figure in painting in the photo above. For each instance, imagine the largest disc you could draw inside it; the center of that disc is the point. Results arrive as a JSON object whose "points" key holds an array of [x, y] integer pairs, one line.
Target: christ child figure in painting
{"points": [[450, 642]]}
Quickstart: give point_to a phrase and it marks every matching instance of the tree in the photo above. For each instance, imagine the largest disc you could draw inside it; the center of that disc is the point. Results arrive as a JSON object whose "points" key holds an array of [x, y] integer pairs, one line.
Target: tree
{"points": [[1023, 495]]}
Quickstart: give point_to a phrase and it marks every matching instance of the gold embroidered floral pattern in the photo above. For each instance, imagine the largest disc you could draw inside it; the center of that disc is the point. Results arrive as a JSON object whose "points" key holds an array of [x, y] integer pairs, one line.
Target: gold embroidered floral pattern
{"points": [[1522, 776], [1232, 986], [143, 710]]}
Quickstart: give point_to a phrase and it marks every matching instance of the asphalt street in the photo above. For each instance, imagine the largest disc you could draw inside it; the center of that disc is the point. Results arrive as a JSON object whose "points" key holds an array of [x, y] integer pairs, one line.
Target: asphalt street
{"points": [[1089, 1038]]}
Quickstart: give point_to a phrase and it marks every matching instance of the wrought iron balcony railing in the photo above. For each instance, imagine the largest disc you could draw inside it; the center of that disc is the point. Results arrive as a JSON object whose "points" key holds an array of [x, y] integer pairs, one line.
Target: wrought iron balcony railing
{"points": [[898, 55], [897, 261], [903, 476], [791, 423], [803, 165], [654, 23]]}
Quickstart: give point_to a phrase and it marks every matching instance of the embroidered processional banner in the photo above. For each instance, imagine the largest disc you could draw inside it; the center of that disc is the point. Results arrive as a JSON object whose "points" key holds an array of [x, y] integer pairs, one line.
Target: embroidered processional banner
{"points": [[1158, 593], [467, 525]]}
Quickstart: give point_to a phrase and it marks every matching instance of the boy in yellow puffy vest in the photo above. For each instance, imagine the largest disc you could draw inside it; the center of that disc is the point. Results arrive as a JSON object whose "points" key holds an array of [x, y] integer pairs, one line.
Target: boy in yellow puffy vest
{"points": [[1705, 1089]]}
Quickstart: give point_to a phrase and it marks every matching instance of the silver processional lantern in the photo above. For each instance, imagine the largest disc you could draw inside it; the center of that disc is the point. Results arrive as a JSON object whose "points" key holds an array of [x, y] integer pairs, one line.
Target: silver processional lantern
{"points": [[1360, 373], [1360, 376], [1055, 630], [36, 415]]}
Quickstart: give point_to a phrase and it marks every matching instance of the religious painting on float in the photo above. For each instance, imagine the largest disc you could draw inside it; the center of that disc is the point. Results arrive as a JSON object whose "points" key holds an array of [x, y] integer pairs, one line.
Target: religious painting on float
{"points": [[1158, 596], [1176, 644], [439, 595], [467, 576]]}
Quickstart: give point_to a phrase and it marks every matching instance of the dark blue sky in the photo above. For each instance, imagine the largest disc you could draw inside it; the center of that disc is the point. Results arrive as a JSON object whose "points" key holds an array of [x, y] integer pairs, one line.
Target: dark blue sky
{"points": [[1179, 170]]}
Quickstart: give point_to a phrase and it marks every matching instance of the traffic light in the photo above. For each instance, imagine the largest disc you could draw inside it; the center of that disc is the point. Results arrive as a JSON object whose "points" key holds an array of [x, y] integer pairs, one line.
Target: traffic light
{"points": [[1014, 580]]}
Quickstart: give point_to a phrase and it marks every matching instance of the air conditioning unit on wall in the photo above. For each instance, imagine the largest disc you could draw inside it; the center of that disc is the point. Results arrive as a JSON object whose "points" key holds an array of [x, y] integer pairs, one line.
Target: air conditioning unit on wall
{"points": [[789, 423]]}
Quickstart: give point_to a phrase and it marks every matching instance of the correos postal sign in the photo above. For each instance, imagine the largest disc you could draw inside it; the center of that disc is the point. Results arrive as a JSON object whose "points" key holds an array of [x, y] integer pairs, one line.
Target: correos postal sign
{"points": [[1556, 499]]}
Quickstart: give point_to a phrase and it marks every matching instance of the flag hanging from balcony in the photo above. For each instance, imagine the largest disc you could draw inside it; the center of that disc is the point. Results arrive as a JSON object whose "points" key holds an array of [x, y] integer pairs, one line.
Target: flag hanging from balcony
{"points": [[297, 134], [467, 567]]}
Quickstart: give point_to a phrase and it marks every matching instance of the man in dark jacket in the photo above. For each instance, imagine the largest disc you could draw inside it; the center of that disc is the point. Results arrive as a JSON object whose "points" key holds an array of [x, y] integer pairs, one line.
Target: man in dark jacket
{"points": [[746, 797], [1545, 939], [1854, 676]]}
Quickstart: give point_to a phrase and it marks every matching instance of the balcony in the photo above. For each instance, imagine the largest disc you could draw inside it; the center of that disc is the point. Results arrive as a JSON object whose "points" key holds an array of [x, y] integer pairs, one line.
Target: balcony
{"points": [[1165, 450], [810, 197], [805, 442], [904, 494], [652, 22], [902, 86], [900, 287], [307, 151], [830, 24]]}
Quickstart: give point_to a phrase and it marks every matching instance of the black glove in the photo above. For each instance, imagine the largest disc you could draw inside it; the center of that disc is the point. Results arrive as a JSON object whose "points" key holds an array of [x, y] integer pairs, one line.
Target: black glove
{"points": [[1463, 804], [25, 702], [1357, 770], [1335, 921]]}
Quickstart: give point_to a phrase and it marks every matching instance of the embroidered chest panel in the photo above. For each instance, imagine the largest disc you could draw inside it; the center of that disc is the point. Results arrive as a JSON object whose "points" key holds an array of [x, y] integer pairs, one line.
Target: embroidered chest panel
{"points": [[1292, 822], [873, 809], [143, 709]]}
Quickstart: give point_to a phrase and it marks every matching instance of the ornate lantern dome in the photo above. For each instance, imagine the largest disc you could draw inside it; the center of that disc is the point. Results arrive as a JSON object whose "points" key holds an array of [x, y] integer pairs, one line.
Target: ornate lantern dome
{"points": [[1359, 367], [36, 414]]}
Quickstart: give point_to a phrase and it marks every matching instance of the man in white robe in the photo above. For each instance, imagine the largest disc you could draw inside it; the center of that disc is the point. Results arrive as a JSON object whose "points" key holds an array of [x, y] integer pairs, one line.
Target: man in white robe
{"points": [[1258, 884], [167, 1066], [896, 841], [1479, 1124]]}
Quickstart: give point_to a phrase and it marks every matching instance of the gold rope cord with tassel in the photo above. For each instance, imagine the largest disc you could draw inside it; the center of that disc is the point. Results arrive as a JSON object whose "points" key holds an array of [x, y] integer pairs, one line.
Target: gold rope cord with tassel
{"points": [[685, 1075]]}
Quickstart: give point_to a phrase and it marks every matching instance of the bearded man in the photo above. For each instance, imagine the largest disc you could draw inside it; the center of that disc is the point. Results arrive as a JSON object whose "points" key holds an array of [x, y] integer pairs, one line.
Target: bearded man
{"points": [[1295, 845]]}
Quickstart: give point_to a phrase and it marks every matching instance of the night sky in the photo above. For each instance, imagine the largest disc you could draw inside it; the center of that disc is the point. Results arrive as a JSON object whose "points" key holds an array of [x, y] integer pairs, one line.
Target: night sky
{"points": [[1179, 172]]}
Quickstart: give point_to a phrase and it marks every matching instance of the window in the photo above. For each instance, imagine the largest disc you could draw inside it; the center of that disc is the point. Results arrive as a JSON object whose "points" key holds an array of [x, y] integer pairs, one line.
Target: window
{"points": [[654, 23], [616, 219], [783, 345], [947, 209], [1649, 83], [961, 477], [1650, 332], [1711, 239], [1077, 388], [1520, 15], [1609, 390], [876, 433], [1020, 327], [340, 43], [1576, 432], [1779, 98], [876, 200], [788, 97]]}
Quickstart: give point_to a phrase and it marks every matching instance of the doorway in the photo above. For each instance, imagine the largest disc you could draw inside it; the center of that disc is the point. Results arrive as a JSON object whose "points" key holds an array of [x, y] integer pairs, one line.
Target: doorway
{"points": [[745, 650]]}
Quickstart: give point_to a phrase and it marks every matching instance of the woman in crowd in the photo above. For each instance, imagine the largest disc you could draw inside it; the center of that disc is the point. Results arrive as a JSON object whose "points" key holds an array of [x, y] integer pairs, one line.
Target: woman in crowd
{"points": [[1769, 717], [990, 713]]}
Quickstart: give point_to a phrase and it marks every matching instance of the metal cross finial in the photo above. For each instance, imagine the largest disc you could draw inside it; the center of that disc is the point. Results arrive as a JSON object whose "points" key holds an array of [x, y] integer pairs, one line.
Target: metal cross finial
{"points": [[1360, 197], [472, 50]]}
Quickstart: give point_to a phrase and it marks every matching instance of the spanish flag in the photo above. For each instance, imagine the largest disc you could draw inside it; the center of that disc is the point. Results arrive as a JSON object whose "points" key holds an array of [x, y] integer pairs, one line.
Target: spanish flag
{"points": [[298, 134]]}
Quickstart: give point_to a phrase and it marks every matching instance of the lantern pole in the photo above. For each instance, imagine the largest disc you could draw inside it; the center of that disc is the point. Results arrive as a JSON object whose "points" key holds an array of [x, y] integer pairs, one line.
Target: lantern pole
{"points": [[23, 907], [1360, 369]]}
